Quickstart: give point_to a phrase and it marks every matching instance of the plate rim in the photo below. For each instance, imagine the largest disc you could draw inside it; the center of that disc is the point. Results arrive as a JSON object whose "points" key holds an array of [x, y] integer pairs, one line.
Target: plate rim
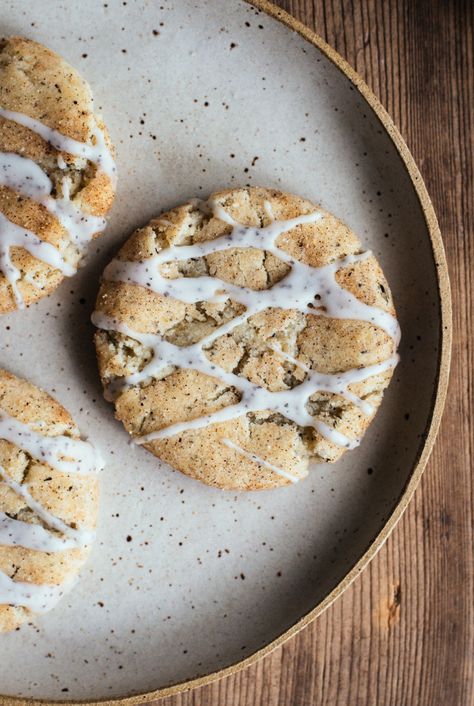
{"points": [[437, 404]]}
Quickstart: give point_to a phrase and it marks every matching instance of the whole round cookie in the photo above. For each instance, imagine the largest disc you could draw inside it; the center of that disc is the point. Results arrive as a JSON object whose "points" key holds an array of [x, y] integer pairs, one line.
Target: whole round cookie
{"points": [[243, 337], [57, 174], [48, 500]]}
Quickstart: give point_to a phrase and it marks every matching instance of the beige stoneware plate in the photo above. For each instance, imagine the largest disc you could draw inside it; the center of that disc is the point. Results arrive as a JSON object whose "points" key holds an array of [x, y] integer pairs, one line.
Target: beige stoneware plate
{"points": [[184, 580]]}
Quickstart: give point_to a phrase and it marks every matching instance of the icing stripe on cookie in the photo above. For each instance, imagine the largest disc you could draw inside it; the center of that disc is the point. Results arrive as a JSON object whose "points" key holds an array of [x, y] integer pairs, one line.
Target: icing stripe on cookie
{"points": [[61, 452], [39, 598], [13, 235], [79, 537], [27, 178], [97, 153], [16, 533], [259, 461]]}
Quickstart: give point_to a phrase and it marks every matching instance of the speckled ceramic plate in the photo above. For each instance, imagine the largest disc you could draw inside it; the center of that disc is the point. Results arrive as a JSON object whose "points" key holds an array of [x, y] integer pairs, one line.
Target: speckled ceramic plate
{"points": [[184, 580]]}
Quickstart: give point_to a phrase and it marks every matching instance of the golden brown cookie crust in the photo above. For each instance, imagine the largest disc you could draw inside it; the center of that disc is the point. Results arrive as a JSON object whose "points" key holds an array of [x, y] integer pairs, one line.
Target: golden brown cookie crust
{"points": [[71, 497], [37, 82], [327, 345]]}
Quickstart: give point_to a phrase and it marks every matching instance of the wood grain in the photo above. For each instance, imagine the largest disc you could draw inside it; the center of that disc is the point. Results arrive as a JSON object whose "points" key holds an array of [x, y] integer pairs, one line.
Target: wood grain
{"points": [[403, 634]]}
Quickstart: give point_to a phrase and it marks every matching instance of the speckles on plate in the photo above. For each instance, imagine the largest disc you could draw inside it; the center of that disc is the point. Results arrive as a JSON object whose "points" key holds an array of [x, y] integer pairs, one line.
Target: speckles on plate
{"points": [[243, 120]]}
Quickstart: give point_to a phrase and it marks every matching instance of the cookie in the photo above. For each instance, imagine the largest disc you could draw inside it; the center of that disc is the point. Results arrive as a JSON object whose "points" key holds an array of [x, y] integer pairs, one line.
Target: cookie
{"points": [[57, 173], [244, 337], [48, 500]]}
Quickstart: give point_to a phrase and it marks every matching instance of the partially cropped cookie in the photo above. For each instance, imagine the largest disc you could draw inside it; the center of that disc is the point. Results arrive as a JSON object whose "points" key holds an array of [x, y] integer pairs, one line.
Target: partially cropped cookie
{"points": [[243, 337], [48, 501], [57, 173]]}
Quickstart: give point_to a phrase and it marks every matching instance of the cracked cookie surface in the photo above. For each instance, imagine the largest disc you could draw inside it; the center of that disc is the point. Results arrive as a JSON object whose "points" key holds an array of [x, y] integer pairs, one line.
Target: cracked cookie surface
{"points": [[195, 327]]}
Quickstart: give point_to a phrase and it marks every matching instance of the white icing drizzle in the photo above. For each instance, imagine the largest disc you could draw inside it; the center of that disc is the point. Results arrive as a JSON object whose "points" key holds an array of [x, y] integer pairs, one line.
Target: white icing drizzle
{"points": [[39, 598], [77, 537], [299, 289], [337, 383], [26, 177], [13, 235], [258, 460], [98, 153], [334, 436], [16, 533], [61, 452]]}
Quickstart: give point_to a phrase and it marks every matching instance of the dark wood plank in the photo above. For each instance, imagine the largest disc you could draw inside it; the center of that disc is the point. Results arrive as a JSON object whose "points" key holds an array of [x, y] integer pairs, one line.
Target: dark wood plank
{"points": [[403, 634]]}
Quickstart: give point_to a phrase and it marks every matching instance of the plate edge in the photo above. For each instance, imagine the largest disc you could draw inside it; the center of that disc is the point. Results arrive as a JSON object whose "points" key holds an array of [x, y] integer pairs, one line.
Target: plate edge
{"points": [[439, 396]]}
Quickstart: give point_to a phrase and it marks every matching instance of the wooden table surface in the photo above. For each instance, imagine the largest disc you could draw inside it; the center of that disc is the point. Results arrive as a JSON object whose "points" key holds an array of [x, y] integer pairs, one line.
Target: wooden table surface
{"points": [[403, 633]]}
